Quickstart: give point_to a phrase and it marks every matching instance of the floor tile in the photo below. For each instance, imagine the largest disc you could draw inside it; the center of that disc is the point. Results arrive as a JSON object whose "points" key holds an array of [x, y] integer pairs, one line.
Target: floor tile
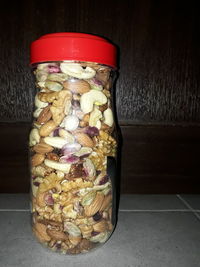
{"points": [[150, 202], [14, 201], [192, 200], [140, 240]]}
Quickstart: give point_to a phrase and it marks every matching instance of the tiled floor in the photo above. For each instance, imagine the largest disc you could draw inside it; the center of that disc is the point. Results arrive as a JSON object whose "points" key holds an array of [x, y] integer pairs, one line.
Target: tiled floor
{"points": [[152, 231]]}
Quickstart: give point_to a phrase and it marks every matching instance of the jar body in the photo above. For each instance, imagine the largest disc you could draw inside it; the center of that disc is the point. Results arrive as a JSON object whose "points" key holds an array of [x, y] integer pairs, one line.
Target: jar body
{"points": [[73, 150]]}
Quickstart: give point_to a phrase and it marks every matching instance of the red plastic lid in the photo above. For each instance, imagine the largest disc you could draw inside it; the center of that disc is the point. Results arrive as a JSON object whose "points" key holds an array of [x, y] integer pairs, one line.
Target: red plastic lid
{"points": [[73, 46]]}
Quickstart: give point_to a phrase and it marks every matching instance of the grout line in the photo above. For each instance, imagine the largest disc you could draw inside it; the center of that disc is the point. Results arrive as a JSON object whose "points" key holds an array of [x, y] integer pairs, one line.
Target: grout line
{"points": [[189, 207], [166, 210], [23, 210], [120, 210]]}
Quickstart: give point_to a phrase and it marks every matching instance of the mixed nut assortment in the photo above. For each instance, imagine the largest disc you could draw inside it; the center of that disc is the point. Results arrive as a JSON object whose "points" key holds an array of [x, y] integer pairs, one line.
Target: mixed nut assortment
{"points": [[71, 138]]}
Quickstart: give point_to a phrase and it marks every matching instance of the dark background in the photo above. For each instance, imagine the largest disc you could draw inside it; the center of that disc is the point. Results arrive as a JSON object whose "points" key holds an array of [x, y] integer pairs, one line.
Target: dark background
{"points": [[157, 91]]}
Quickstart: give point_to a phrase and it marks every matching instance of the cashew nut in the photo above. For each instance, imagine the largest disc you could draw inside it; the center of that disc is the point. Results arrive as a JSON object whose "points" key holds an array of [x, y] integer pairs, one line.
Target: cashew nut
{"points": [[56, 141], [34, 137], [95, 117], [64, 167], [108, 115], [90, 98], [76, 70], [40, 104]]}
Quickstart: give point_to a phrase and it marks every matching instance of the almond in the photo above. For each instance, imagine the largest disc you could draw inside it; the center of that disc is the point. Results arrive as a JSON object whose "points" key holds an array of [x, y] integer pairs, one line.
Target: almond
{"points": [[37, 159], [44, 116], [42, 148], [47, 128], [106, 202], [57, 235], [94, 207], [77, 86], [100, 226], [40, 231], [84, 140]]}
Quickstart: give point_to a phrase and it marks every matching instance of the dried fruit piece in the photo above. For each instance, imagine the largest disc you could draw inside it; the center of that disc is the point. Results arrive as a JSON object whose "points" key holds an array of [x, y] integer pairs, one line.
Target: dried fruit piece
{"points": [[76, 171], [97, 216], [92, 131]]}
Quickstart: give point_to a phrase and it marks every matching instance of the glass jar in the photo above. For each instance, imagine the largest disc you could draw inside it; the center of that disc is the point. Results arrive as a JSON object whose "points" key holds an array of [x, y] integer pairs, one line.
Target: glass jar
{"points": [[73, 142]]}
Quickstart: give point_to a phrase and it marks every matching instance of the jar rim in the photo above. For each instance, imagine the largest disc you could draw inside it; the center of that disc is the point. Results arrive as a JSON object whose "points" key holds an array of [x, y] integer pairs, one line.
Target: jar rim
{"points": [[73, 46]]}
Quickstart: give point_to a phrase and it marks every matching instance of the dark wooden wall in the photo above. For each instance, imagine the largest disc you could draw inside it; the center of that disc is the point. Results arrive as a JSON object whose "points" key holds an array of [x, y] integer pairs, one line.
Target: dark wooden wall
{"points": [[157, 91]]}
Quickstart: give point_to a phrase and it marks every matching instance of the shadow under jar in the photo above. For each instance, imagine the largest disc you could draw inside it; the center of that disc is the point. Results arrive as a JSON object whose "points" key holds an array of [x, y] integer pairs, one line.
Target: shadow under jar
{"points": [[72, 142]]}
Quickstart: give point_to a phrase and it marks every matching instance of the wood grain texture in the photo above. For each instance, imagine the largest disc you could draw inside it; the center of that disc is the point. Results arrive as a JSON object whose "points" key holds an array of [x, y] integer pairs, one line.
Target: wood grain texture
{"points": [[158, 54], [154, 159]]}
